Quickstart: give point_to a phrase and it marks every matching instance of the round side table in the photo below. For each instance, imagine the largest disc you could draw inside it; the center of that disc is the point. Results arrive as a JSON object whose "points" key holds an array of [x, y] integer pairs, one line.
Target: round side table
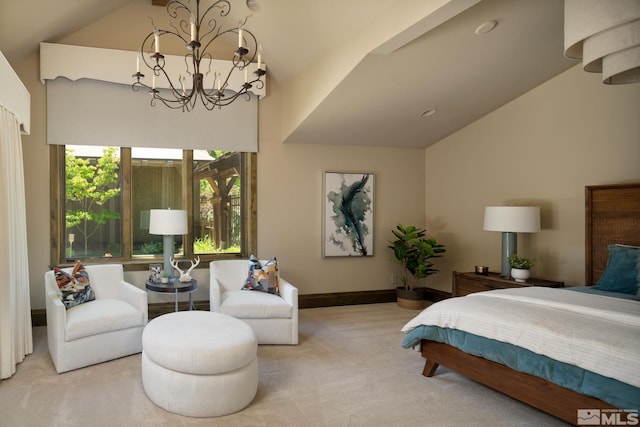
{"points": [[174, 286]]}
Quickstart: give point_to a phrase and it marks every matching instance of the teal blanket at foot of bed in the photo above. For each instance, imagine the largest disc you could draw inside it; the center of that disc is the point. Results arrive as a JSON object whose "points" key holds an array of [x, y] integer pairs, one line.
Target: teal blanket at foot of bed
{"points": [[617, 393]]}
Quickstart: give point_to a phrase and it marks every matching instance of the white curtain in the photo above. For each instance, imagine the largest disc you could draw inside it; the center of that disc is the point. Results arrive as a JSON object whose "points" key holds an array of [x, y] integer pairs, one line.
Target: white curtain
{"points": [[15, 307]]}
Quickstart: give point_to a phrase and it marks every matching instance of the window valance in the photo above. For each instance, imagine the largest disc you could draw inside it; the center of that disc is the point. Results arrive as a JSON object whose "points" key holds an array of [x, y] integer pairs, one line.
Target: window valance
{"points": [[14, 96], [90, 102]]}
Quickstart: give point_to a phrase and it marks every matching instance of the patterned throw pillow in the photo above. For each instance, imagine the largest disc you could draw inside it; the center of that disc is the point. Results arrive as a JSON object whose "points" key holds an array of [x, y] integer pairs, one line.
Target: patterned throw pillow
{"points": [[262, 277], [74, 287]]}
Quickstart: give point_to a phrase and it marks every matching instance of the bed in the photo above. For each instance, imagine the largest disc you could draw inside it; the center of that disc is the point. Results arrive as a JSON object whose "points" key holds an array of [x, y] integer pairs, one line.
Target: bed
{"points": [[559, 350]]}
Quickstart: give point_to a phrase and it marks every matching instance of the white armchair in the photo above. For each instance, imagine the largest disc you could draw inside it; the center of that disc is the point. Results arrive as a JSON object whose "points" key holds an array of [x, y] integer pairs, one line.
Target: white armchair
{"points": [[274, 319], [104, 329]]}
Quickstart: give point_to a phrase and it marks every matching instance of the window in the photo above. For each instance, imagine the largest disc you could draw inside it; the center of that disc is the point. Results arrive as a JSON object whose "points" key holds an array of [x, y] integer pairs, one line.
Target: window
{"points": [[156, 183], [92, 205], [101, 197], [217, 197]]}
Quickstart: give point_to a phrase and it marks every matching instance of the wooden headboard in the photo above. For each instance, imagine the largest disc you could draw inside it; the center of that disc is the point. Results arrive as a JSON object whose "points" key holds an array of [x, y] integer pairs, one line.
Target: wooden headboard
{"points": [[612, 216]]}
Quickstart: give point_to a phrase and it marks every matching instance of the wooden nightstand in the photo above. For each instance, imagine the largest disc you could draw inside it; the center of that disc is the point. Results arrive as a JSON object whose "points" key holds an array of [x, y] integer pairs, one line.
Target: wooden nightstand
{"points": [[468, 283]]}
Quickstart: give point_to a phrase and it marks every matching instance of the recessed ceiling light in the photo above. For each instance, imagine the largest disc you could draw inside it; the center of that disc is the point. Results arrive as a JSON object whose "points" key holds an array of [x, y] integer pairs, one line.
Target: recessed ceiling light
{"points": [[429, 112], [485, 27]]}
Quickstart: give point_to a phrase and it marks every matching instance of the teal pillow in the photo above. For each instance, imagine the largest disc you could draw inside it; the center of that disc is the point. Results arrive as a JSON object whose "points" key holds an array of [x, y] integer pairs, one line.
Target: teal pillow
{"points": [[623, 270]]}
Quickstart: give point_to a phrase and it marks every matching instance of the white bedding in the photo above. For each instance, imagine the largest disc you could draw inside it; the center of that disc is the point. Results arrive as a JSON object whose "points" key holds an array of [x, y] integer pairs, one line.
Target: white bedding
{"points": [[596, 333]]}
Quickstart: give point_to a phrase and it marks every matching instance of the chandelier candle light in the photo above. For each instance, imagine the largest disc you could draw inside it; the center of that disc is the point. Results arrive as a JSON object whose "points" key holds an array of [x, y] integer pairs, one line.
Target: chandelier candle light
{"points": [[199, 31]]}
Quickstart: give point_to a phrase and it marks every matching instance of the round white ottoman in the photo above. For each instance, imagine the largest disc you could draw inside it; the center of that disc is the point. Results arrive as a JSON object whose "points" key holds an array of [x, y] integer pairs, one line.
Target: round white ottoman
{"points": [[199, 363]]}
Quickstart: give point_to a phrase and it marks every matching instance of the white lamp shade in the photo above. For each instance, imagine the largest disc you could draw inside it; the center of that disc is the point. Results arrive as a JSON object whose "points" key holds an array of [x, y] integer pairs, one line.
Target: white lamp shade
{"points": [[168, 222], [518, 219]]}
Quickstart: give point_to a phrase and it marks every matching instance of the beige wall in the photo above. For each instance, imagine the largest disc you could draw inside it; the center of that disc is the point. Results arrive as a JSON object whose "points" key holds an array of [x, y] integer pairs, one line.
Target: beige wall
{"points": [[290, 206], [570, 132], [289, 193], [543, 148], [36, 167]]}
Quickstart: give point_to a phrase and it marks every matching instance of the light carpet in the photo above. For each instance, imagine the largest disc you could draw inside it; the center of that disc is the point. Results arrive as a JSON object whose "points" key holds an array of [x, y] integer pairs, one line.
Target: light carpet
{"points": [[348, 370]]}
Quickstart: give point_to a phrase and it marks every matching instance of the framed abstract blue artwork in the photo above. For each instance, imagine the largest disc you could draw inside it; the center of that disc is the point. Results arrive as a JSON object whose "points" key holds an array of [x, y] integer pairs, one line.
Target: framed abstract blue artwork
{"points": [[348, 214]]}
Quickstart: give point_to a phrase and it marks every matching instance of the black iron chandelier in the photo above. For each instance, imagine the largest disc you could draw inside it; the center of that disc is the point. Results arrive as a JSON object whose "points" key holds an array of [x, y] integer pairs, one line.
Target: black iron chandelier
{"points": [[199, 30]]}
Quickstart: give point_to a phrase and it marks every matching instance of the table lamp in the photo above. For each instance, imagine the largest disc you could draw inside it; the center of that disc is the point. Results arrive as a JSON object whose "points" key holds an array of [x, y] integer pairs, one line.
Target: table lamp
{"points": [[511, 220], [168, 222]]}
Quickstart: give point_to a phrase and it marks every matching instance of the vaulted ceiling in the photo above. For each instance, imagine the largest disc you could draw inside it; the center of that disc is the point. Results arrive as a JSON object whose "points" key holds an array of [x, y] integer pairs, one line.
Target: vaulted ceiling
{"points": [[360, 72]]}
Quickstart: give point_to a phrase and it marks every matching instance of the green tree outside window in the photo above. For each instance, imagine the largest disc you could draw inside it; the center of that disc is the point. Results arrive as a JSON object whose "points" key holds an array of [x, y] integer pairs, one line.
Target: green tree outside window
{"points": [[90, 183]]}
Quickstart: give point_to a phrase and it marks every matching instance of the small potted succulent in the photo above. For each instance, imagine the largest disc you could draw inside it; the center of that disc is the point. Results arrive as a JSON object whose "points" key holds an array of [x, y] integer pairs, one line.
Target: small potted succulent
{"points": [[520, 267], [165, 277]]}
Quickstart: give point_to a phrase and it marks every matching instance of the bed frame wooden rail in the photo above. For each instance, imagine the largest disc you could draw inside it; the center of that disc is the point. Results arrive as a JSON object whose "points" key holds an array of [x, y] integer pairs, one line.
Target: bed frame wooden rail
{"points": [[537, 392]]}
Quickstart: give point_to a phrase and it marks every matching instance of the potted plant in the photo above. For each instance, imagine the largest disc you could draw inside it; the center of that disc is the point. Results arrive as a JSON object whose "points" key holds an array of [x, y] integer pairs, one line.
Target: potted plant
{"points": [[165, 277], [414, 252], [520, 267]]}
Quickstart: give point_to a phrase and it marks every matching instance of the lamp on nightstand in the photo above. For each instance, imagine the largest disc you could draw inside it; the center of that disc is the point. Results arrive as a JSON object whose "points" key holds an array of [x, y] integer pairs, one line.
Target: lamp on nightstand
{"points": [[168, 222], [511, 220]]}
